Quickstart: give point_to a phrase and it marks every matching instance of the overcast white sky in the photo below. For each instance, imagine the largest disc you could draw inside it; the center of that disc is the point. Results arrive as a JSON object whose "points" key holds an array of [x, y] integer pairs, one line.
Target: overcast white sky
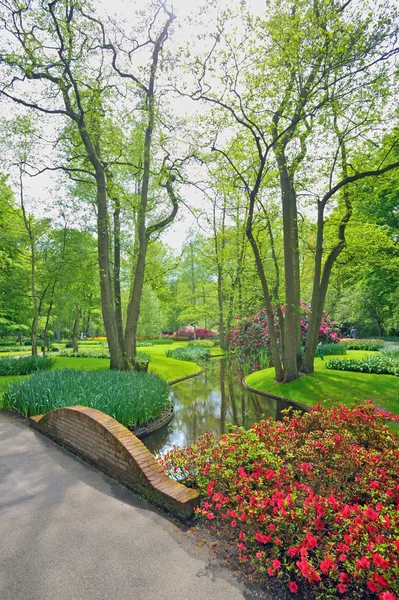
{"points": [[44, 192]]}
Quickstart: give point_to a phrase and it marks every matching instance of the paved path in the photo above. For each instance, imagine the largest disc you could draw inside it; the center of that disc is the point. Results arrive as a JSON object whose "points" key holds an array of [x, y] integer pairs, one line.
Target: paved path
{"points": [[68, 532]]}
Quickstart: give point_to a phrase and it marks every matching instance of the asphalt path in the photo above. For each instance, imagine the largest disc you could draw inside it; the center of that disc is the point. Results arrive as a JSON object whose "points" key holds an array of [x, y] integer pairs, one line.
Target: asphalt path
{"points": [[68, 532]]}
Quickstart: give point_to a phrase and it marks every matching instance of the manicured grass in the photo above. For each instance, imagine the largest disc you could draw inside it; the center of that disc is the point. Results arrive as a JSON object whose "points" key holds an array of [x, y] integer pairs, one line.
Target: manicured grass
{"points": [[333, 387], [167, 368]]}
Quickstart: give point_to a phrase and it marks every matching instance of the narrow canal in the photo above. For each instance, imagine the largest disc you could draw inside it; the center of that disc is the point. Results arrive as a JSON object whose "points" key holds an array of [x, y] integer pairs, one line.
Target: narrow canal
{"points": [[210, 402]]}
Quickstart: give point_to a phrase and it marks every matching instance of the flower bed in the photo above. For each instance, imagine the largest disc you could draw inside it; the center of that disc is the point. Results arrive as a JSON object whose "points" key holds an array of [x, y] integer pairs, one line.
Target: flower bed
{"points": [[369, 345], [311, 503], [132, 398], [382, 363]]}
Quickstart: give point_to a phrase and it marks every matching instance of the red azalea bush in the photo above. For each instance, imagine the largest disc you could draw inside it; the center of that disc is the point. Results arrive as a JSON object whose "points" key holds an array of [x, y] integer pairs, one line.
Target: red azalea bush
{"points": [[250, 337], [201, 333], [312, 502]]}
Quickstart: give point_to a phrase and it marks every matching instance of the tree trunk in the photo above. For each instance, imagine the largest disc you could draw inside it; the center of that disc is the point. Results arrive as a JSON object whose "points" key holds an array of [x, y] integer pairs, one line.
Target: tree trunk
{"points": [[117, 272], [291, 270], [107, 305], [75, 335]]}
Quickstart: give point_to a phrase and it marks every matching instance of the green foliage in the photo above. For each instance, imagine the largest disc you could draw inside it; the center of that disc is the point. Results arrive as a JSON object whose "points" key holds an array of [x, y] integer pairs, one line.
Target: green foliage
{"points": [[13, 349], [7, 343], [190, 353], [131, 398], [387, 363], [372, 345], [140, 356], [25, 365], [328, 349]]}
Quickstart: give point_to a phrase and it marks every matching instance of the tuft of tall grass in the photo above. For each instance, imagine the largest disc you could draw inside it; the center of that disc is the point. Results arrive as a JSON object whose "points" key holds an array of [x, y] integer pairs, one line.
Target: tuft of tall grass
{"points": [[132, 398], [329, 349], [25, 365]]}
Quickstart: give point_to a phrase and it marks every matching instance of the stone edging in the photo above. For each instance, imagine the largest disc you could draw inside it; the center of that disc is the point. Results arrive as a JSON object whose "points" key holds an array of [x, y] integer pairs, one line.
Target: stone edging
{"points": [[174, 381], [107, 444], [293, 403], [164, 418]]}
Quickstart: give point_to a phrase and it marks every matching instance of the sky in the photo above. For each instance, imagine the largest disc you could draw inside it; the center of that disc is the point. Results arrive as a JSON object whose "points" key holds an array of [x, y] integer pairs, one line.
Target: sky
{"points": [[44, 193]]}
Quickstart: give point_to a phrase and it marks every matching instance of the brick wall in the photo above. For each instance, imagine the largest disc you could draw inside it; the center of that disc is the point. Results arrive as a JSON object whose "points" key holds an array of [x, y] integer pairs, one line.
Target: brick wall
{"points": [[109, 445]]}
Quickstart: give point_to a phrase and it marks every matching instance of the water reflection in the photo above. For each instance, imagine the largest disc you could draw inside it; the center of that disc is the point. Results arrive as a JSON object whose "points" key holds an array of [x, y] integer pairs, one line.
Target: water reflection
{"points": [[209, 403]]}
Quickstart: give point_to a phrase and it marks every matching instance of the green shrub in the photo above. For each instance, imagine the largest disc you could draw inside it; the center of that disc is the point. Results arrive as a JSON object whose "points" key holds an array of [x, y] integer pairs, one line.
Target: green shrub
{"points": [[377, 363], [368, 345], [87, 343], [131, 398], [193, 354], [25, 365], [13, 349], [54, 349], [8, 343], [40, 342], [145, 343], [328, 349], [69, 345]]}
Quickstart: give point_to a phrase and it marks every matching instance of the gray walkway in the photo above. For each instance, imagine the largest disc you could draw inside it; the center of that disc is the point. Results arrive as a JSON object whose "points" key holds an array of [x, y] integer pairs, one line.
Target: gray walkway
{"points": [[67, 532]]}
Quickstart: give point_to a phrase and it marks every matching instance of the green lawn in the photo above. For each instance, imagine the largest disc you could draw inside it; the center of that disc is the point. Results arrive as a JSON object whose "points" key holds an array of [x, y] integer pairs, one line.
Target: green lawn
{"points": [[167, 368], [333, 387]]}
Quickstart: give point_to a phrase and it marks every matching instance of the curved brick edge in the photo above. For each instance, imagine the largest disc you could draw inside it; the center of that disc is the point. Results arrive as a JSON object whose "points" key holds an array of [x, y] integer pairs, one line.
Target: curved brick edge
{"points": [[163, 419], [174, 381], [299, 405], [103, 441]]}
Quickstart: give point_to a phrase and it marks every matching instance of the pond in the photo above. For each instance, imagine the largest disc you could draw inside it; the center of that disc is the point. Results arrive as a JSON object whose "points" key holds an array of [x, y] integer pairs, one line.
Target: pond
{"points": [[210, 402]]}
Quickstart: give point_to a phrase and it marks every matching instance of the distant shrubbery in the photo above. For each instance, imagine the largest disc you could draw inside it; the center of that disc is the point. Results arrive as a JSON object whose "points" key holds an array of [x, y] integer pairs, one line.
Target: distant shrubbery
{"points": [[367, 345], [25, 365], [382, 363], [132, 398], [7, 343], [193, 354]]}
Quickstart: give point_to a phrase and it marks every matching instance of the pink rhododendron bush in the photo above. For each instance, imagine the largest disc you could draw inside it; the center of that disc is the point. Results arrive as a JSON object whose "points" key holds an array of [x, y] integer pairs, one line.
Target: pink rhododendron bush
{"points": [[311, 503], [250, 336]]}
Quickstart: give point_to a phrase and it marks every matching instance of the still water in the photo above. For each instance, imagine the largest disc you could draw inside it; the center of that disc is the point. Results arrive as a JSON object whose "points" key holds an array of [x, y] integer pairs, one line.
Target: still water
{"points": [[210, 402]]}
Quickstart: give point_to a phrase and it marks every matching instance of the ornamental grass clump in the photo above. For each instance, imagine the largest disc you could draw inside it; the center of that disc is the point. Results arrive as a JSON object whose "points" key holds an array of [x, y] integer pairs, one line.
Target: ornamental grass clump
{"points": [[311, 503], [329, 349], [132, 398], [25, 365]]}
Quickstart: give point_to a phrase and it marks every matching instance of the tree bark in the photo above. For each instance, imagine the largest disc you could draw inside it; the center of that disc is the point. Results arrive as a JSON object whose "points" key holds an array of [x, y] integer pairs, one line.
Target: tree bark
{"points": [[75, 335]]}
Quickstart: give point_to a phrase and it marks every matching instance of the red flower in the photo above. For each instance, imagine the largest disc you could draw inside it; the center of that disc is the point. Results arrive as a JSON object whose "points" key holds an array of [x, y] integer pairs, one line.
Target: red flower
{"points": [[373, 587], [380, 562], [276, 564], [341, 587], [344, 577], [233, 523], [210, 516], [293, 587], [326, 565]]}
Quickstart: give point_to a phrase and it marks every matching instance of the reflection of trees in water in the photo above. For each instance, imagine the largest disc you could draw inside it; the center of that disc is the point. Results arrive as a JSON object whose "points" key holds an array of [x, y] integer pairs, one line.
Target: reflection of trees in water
{"points": [[208, 403]]}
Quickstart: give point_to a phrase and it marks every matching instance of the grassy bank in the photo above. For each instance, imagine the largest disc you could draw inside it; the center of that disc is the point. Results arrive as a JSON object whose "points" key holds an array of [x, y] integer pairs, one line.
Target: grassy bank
{"points": [[167, 368], [333, 387]]}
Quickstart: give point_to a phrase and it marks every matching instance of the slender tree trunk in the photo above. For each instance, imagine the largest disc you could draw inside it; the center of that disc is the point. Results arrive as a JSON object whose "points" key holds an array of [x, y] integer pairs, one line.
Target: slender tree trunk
{"points": [[117, 272], [107, 304], [75, 335], [269, 308], [50, 308]]}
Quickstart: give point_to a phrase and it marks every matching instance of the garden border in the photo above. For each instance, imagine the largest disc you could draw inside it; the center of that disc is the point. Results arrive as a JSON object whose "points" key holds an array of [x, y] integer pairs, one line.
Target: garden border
{"points": [[164, 418], [180, 379], [293, 403]]}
